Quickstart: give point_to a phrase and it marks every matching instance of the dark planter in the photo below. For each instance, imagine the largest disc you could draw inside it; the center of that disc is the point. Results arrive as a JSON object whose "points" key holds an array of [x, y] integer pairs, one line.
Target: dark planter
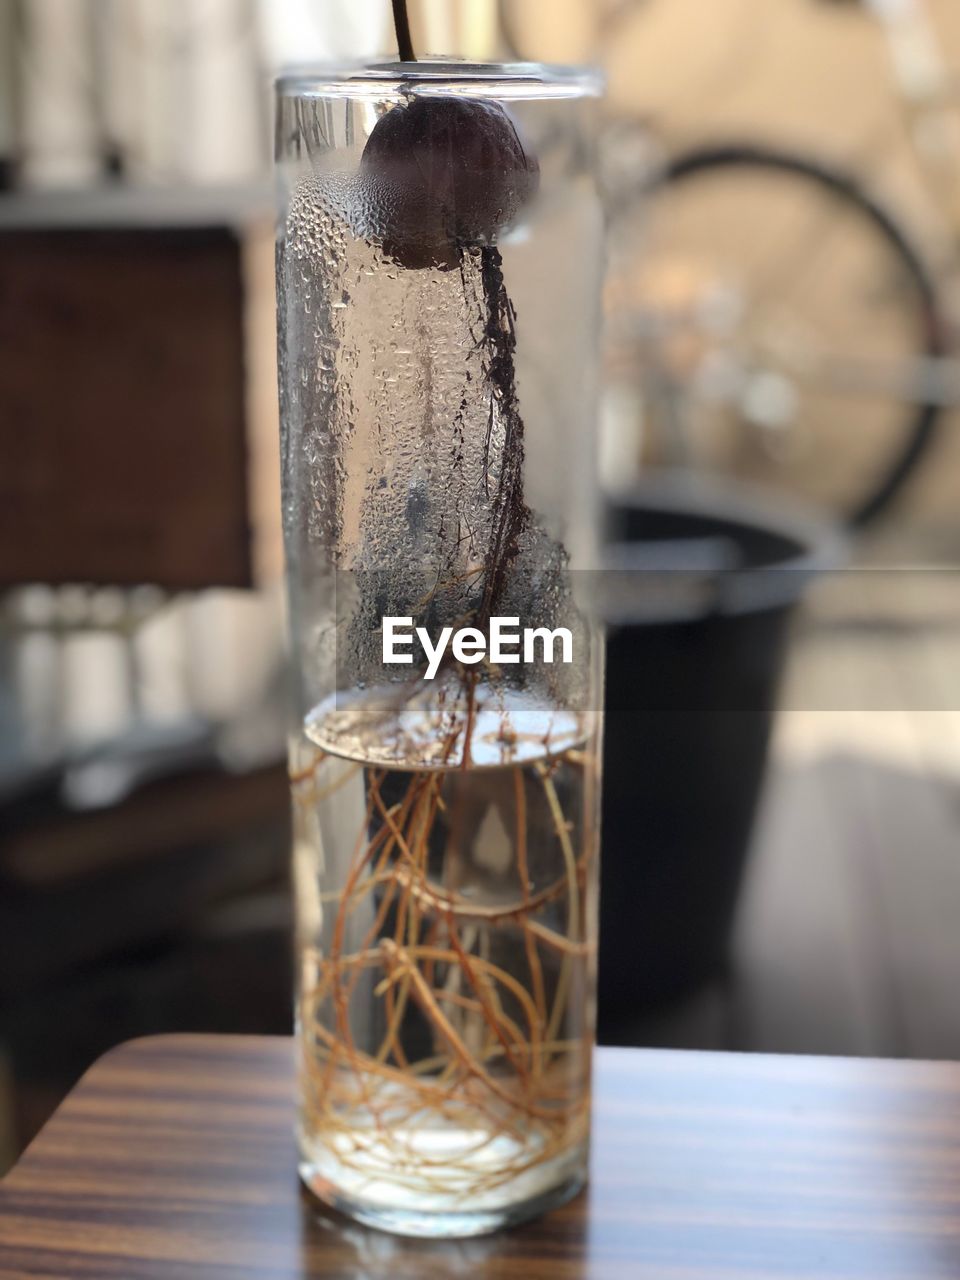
{"points": [[698, 616]]}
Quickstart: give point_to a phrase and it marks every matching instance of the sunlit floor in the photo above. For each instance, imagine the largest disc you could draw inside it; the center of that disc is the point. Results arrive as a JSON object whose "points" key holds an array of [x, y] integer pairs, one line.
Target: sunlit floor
{"points": [[848, 938]]}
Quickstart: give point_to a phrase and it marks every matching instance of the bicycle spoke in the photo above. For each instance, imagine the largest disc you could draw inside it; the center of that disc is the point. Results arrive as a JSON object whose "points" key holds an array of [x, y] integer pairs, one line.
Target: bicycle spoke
{"points": [[925, 380]]}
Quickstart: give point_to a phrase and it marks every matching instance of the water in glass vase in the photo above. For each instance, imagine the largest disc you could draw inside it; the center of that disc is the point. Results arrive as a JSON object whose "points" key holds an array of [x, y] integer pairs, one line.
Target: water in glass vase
{"points": [[446, 918]]}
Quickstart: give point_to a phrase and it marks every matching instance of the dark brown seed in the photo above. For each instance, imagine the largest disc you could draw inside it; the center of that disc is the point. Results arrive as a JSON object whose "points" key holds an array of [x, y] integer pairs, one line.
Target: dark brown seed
{"points": [[438, 174]]}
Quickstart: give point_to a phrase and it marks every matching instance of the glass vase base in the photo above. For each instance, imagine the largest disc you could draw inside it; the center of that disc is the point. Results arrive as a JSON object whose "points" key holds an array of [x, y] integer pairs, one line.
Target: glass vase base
{"points": [[447, 1223]]}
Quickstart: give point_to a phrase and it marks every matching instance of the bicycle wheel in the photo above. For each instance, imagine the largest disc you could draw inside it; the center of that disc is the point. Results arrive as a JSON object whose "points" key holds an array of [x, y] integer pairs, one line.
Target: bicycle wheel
{"points": [[781, 326]]}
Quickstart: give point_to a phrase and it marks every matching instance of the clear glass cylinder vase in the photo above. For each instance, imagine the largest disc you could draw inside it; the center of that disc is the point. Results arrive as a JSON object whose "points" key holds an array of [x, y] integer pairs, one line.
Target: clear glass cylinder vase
{"points": [[439, 267]]}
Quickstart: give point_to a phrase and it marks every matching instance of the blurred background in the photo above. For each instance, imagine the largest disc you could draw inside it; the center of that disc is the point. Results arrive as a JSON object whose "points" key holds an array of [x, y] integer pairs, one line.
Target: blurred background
{"points": [[782, 843]]}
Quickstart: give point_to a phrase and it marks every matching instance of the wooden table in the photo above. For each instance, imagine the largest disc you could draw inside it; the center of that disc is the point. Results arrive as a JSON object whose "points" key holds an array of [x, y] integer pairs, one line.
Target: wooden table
{"points": [[174, 1158]]}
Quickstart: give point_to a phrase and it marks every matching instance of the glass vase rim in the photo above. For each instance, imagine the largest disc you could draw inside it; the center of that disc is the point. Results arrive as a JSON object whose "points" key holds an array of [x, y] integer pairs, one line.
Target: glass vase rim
{"points": [[376, 80]]}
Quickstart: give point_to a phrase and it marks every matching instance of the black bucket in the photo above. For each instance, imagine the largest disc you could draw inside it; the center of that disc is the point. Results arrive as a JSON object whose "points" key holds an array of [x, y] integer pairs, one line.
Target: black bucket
{"points": [[704, 580]]}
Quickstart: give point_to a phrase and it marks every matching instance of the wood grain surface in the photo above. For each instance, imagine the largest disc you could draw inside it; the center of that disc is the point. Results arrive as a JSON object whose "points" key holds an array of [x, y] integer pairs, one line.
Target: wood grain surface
{"points": [[174, 1158]]}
